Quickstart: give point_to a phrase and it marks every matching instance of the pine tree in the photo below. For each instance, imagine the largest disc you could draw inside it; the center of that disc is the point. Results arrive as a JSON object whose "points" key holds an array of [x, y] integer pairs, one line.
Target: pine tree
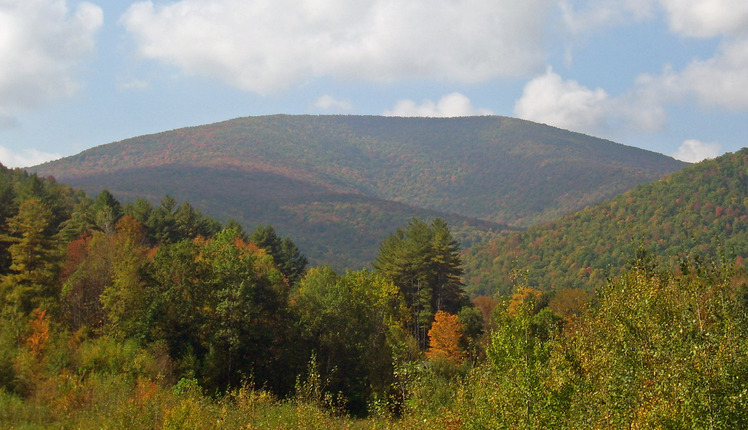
{"points": [[423, 261], [31, 283]]}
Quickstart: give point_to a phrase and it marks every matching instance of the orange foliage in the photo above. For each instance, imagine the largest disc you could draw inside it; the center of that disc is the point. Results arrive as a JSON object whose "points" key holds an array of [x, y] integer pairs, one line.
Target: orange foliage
{"points": [[39, 336], [486, 306], [524, 295], [444, 337]]}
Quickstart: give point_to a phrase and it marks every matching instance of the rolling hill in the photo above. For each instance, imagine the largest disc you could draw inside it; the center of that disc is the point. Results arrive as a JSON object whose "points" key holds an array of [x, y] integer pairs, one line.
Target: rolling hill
{"points": [[701, 210], [338, 184]]}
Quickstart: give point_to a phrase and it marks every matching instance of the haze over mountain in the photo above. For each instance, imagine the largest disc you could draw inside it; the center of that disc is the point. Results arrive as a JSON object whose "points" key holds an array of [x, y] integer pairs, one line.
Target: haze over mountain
{"points": [[339, 184]]}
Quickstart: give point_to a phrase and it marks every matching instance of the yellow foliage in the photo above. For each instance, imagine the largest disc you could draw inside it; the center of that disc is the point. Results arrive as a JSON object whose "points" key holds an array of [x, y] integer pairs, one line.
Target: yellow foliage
{"points": [[444, 337]]}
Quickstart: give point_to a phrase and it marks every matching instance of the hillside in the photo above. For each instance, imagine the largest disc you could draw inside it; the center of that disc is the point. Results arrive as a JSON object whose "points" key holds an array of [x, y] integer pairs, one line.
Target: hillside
{"points": [[702, 209], [330, 181]]}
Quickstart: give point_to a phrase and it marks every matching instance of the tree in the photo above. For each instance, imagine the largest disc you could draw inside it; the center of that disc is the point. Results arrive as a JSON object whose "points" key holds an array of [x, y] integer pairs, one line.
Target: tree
{"points": [[661, 350], [107, 210], [31, 283], [221, 306], [346, 321], [423, 261], [124, 299], [286, 255], [444, 338]]}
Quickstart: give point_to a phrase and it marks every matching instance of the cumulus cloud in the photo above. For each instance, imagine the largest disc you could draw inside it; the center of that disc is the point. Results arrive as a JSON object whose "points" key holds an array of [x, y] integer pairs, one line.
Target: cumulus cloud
{"points": [[568, 104], [707, 18], [693, 151], [451, 105], [24, 158], [692, 18], [41, 43], [268, 45], [328, 102], [717, 82]]}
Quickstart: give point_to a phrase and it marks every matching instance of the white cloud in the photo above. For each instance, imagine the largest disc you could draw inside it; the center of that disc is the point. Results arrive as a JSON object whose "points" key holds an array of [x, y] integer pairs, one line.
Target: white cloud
{"points": [[25, 158], [328, 102], [692, 18], [693, 151], [717, 82], [451, 105], [707, 18], [41, 43], [567, 104], [551, 100], [268, 45]]}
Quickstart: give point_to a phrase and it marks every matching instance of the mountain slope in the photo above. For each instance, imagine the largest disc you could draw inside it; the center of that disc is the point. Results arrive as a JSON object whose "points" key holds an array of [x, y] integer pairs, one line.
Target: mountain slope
{"points": [[702, 209], [497, 169]]}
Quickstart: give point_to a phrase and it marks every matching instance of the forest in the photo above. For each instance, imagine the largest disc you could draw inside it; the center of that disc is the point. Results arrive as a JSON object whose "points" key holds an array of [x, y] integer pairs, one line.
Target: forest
{"points": [[702, 208], [339, 184], [156, 316]]}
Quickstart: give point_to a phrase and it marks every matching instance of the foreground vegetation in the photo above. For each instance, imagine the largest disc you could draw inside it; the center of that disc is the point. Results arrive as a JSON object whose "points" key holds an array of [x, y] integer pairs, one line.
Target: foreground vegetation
{"points": [[159, 317]]}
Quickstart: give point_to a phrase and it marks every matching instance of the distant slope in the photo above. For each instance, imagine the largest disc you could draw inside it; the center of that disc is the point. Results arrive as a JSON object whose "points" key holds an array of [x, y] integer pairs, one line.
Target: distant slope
{"points": [[499, 169], [701, 209], [263, 169], [340, 229]]}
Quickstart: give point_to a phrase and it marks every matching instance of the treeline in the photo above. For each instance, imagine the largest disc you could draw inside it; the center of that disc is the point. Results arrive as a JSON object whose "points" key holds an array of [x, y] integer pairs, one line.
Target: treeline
{"points": [[198, 301], [159, 317]]}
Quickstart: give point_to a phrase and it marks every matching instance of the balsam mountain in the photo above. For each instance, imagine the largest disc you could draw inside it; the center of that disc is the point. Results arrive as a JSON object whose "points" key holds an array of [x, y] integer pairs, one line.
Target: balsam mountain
{"points": [[338, 185]]}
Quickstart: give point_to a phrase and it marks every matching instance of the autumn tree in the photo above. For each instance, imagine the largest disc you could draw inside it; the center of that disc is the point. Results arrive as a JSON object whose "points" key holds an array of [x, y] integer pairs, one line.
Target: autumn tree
{"points": [[444, 338], [124, 299]]}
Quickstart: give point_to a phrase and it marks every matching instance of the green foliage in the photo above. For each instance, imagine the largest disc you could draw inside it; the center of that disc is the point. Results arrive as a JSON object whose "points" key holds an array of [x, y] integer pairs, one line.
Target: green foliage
{"points": [[221, 306], [332, 182], [286, 255], [423, 261], [662, 350], [345, 320], [31, 281], [701, 209]]}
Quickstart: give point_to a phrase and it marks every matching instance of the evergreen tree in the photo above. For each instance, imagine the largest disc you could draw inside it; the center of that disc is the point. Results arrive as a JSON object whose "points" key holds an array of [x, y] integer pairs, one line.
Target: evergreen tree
{"points": [[423, 261], [286, 255], [31, 281]]}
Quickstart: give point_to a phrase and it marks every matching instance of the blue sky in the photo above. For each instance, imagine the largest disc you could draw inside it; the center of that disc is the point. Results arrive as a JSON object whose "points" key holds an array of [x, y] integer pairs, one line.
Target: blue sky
{"points": [[670, 76]]}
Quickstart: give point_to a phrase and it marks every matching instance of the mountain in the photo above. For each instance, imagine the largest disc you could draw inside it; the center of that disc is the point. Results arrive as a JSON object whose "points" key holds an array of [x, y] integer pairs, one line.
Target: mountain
{"points": [[701, 210], [333, 182]]}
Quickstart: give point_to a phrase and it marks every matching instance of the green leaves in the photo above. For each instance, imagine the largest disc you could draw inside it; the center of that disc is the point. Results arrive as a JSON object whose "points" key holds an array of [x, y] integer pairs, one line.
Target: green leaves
{"points": [[346, 320], [423, 262]]}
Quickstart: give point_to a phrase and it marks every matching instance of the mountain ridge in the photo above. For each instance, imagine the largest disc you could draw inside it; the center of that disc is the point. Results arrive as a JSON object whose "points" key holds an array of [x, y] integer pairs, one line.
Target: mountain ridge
{"points": [[500, 170]]}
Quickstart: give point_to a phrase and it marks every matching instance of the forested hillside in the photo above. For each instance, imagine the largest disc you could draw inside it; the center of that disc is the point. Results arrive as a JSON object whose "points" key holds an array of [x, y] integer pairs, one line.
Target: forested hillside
{"points": [[702, 209], [146, 316], [329, 181]]}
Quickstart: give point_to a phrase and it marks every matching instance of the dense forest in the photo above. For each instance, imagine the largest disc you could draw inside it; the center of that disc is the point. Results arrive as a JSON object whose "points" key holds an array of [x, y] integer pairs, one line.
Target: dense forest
{"points": [[338, 184], [701, 209], [157, 316]]}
